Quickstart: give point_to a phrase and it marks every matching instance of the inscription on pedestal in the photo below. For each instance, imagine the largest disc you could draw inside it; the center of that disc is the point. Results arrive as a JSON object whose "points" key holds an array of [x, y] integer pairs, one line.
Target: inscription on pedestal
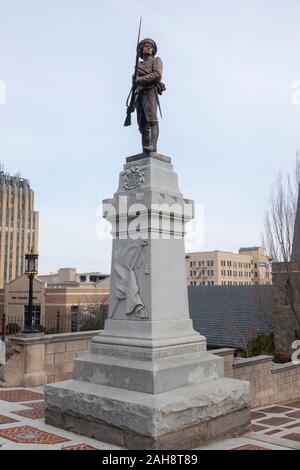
{"points": [[140, 355]]}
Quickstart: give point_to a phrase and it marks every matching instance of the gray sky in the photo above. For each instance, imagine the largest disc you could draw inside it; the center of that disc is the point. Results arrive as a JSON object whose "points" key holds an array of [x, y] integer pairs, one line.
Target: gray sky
{"points": [[229, 120]]}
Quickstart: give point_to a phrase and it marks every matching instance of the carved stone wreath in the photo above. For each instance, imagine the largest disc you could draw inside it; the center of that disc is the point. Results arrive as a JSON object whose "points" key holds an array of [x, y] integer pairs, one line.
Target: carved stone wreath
{"points": [[134, 178]]}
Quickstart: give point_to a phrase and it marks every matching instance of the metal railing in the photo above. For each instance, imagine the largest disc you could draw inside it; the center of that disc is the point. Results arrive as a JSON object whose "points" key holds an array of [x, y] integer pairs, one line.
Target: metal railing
{"points": [[55, 323]]}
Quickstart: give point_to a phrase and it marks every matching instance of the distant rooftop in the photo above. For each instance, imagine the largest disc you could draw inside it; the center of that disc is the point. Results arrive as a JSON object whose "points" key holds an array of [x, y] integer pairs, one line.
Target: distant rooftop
{"points": [[68, 277], [15, 180], [250, 248], [210, 251], [229, 316]]}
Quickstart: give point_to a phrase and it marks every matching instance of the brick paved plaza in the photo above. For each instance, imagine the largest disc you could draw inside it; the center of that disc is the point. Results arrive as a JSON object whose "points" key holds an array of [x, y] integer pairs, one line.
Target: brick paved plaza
{"points": [[22, 427]]}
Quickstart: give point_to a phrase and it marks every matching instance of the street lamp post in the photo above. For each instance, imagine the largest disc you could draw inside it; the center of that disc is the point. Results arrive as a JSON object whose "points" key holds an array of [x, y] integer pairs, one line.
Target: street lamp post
{"points": [[31, 270]]}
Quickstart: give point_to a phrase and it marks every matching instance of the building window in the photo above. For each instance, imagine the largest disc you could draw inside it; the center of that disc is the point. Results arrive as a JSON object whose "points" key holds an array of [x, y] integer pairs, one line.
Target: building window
{"points": [[36, 315], [74, 318]]}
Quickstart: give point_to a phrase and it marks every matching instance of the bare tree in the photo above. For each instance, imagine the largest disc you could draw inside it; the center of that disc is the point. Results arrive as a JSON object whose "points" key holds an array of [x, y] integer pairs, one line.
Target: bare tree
{"points": [[279, 224], [278, 241], [91, 311]]}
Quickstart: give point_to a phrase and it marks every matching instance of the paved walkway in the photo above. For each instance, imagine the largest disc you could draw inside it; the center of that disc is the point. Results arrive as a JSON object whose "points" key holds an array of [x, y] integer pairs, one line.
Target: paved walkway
{"points": [[22, 426]]}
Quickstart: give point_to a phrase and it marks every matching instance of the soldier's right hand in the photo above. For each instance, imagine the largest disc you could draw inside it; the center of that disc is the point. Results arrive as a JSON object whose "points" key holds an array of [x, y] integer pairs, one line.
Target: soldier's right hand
{"points": [[135, 82]]}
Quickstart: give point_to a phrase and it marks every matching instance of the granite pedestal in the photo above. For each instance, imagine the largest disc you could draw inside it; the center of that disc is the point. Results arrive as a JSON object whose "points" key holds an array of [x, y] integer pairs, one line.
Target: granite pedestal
{"points": [[149, 382]]}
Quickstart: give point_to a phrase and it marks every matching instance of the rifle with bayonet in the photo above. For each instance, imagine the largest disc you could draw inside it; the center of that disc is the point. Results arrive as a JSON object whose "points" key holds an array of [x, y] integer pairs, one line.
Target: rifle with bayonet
{"points": [[130, 102]]}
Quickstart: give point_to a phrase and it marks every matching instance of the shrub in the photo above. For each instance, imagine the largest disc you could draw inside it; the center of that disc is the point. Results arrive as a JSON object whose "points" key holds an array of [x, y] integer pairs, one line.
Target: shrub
{"points": [[260, 344], [12, 328]]}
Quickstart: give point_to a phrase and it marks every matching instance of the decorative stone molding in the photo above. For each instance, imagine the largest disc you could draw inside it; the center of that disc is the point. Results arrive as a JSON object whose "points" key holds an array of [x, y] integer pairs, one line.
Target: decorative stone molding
{"points": [[11, 372], [134, 178], [26, 366]]}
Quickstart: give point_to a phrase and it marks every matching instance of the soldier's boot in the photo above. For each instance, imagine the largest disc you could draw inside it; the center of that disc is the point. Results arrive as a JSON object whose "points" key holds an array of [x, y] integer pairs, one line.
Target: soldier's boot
{"points": [[154, 136], [146, 140]]}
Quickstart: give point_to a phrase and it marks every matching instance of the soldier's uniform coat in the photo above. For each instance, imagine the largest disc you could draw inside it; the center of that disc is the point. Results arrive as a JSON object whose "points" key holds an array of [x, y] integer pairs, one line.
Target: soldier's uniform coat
{"points": [[149, 73]]}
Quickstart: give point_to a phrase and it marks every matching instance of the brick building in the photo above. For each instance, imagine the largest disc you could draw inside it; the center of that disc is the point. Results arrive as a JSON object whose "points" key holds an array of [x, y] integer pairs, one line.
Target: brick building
{"points": [[67, 299], [250, 266]]}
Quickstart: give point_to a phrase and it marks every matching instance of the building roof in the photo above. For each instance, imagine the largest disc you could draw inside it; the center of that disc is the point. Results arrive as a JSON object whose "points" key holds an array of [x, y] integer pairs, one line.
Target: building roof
{"points": [[22, 276], [242, 251], [16, 180], [229, 316], [249, 248], [296, 240]]}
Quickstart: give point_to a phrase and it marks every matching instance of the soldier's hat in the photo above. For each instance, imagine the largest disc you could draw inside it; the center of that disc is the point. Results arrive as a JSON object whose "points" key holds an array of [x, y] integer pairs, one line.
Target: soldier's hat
{"points": [[141, 44]]}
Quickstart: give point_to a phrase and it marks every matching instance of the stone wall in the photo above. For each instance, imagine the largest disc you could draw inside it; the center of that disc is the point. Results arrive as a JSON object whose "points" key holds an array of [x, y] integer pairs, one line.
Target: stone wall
{"points": [[39, 359], [60, 352], [50, 358], [269, 382]]}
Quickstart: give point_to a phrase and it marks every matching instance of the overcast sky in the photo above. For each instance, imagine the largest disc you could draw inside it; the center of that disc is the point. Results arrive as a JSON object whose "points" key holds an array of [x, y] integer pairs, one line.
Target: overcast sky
{"points": [[230, 119]]}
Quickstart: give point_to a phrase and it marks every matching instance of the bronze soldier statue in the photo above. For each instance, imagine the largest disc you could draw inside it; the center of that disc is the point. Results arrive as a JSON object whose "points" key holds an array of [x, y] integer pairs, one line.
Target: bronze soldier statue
{"points": [[147, 86]]}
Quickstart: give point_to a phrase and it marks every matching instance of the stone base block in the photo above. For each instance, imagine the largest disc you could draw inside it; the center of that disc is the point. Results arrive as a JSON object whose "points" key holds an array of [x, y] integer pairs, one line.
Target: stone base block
{"points": [[179, 419], [153, 376]]}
